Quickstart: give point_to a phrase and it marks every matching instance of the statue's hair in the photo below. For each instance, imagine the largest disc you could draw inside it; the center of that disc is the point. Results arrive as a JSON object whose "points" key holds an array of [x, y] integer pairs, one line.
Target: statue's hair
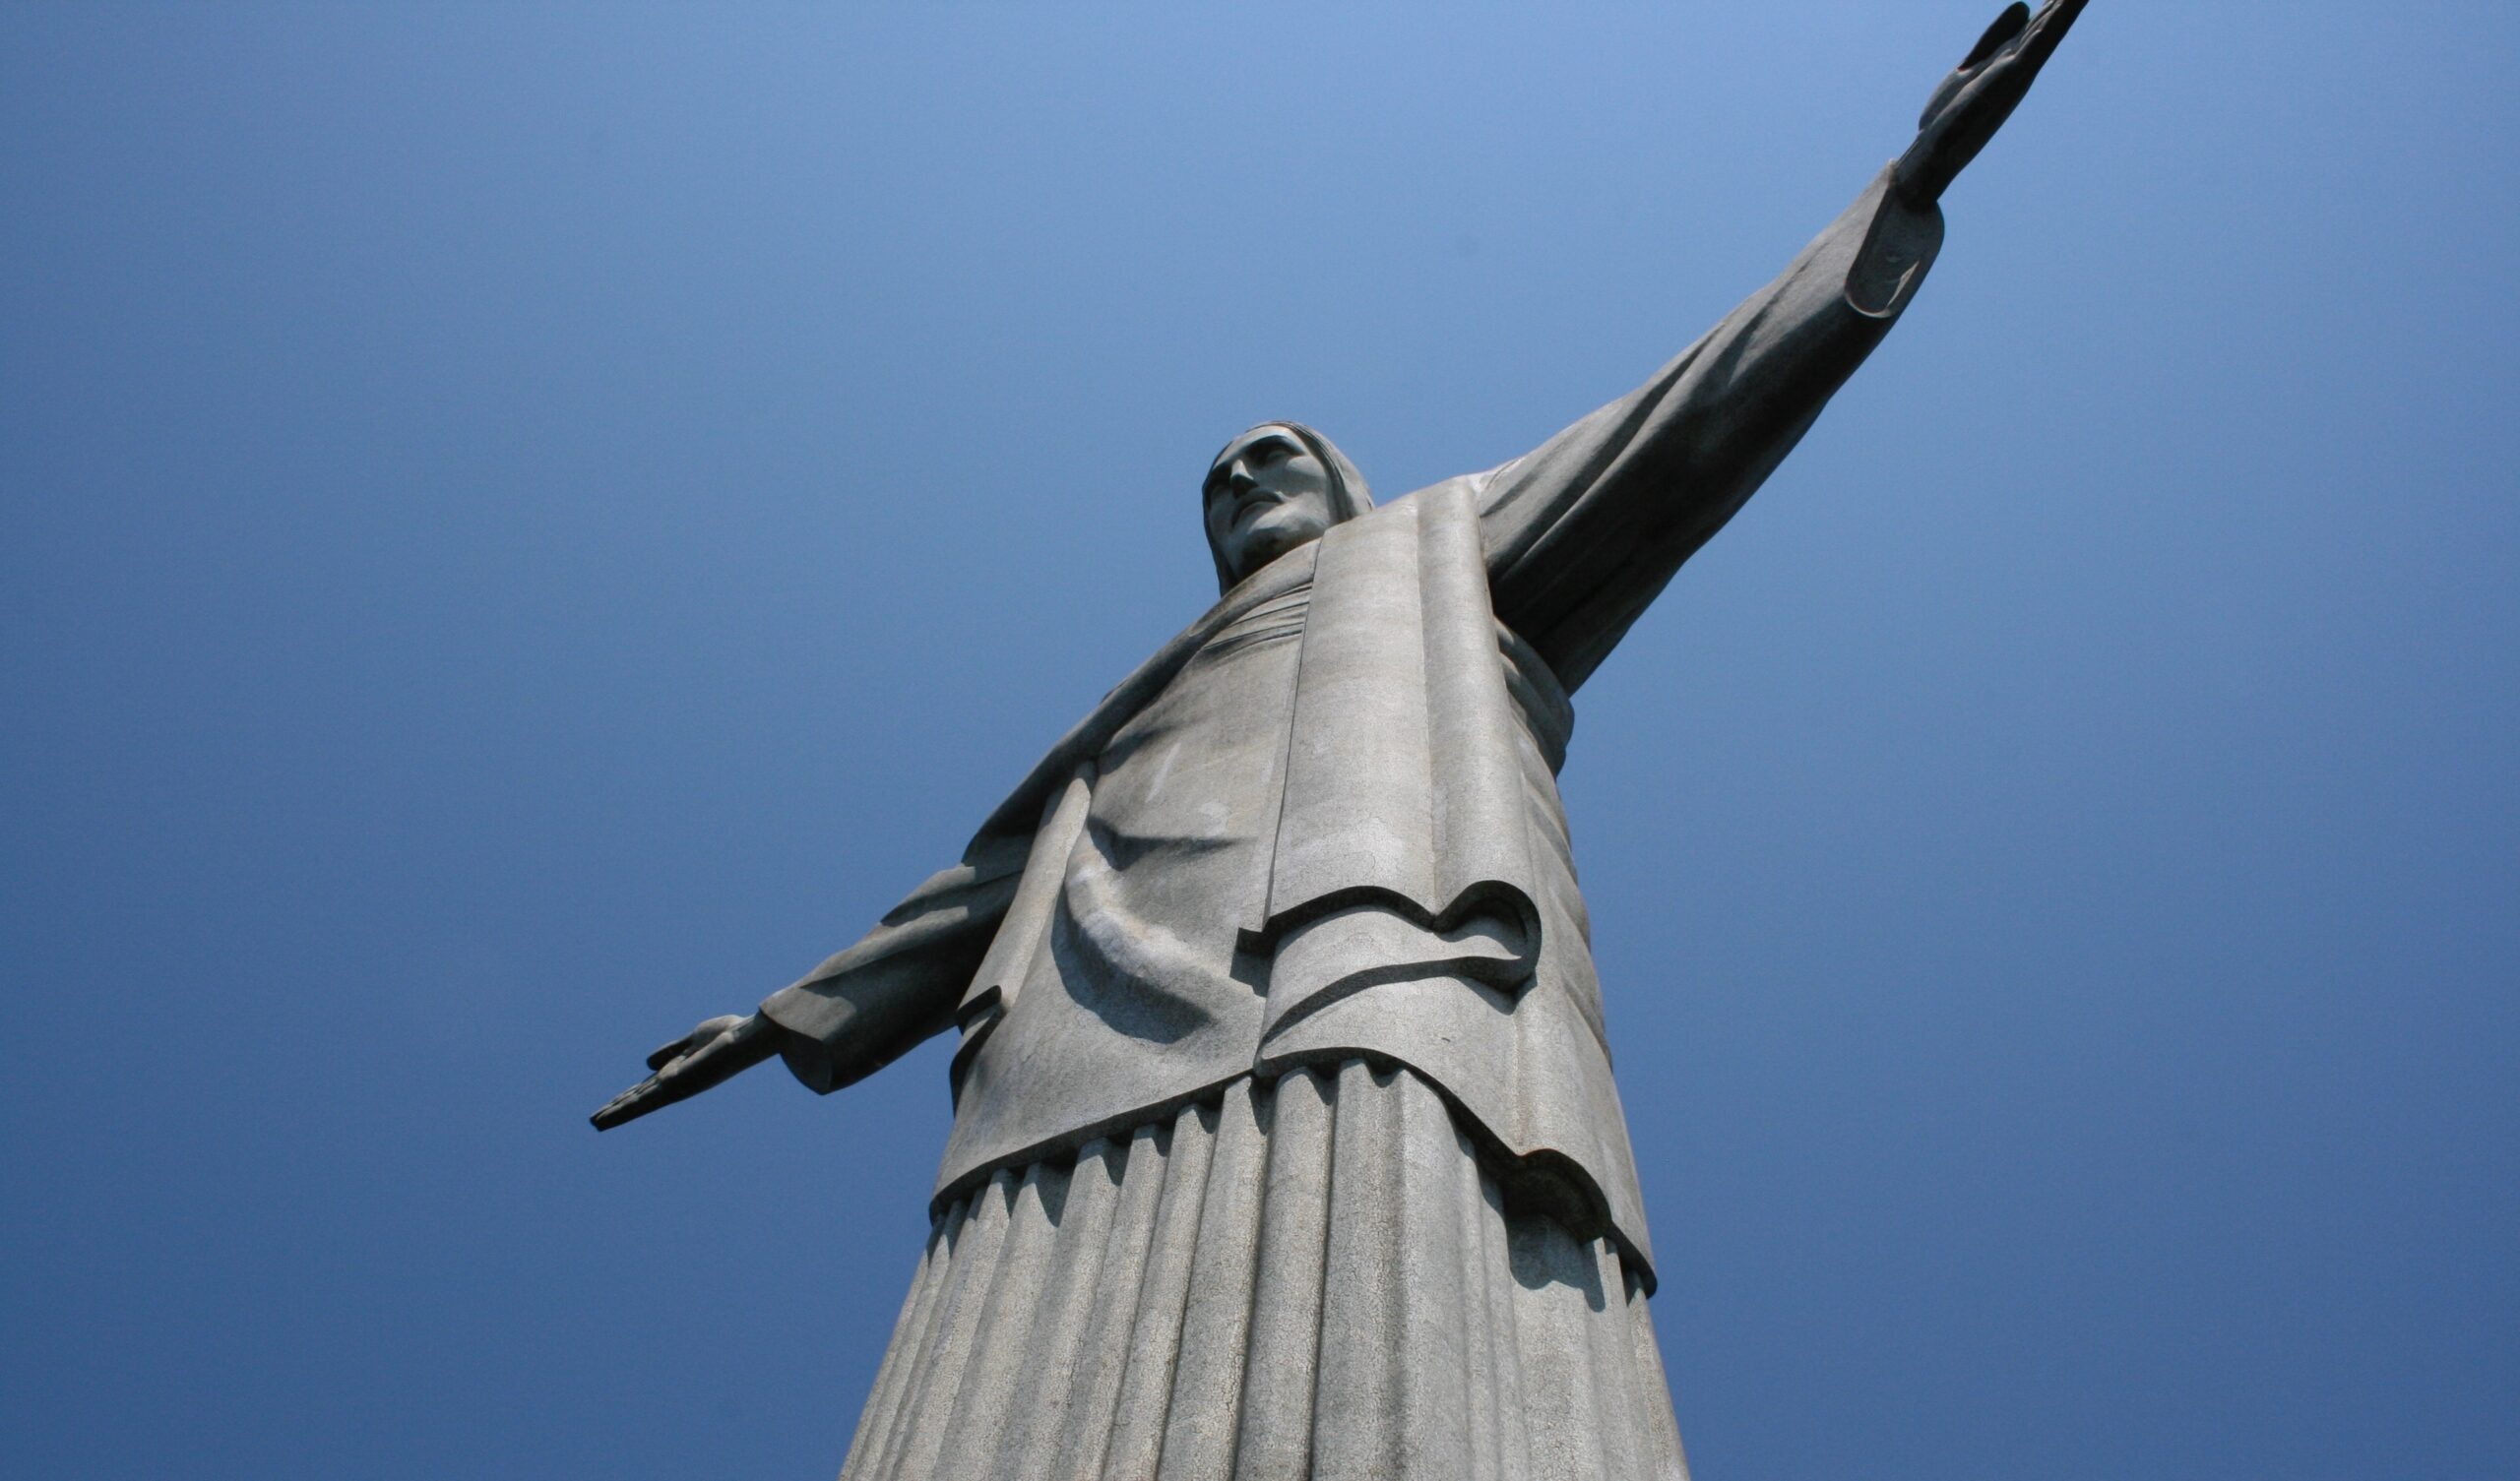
{"points": [[1349, 496]]}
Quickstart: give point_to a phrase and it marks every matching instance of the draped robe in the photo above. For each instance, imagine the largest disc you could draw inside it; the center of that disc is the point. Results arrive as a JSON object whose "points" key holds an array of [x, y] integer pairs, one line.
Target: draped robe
{"points": [[1323, 823]]}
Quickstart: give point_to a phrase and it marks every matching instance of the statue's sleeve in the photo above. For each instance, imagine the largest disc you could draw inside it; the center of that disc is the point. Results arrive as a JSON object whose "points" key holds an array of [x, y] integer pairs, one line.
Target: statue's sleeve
{"points": [[906, 979], [898, 985], [1583, 532]]}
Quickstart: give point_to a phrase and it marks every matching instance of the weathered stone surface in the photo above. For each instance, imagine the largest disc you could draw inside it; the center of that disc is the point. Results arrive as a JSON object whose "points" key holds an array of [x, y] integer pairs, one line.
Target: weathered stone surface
{"points": [[1285, 1139]]}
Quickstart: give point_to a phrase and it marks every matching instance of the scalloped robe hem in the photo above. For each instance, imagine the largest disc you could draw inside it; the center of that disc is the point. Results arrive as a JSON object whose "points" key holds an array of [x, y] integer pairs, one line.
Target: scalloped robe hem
{"points": [[1314, 1279]]}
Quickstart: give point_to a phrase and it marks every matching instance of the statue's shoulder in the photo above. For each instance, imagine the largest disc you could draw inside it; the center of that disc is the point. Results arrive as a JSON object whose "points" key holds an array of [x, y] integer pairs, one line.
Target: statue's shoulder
{"points": [[1472, 487]]}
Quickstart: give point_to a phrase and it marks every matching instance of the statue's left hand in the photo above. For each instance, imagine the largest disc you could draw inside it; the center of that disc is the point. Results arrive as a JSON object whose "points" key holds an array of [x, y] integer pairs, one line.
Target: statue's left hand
{"points": [[710, 1054], [1975, 100]]}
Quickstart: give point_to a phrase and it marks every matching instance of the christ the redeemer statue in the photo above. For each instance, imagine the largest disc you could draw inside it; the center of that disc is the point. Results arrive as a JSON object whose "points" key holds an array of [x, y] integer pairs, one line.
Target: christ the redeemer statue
{"points": [[1284, 1142]]}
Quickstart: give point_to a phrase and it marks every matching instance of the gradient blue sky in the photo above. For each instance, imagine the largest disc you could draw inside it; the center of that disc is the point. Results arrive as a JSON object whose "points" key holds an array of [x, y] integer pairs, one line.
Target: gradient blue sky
{"points": [[527, 527]]}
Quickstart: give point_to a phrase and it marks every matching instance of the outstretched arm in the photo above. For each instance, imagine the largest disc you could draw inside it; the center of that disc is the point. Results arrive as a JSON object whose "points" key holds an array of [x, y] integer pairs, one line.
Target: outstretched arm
{"points": [[860, 1009], [1583, 532]]}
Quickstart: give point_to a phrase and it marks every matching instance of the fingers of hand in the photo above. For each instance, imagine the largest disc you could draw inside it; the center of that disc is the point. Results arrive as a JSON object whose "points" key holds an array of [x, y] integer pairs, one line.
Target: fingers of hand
{"points": [[2006, 27], [2056, 18], [699, 1058], [697, 1071], [663, 1087], [626, 1105]]}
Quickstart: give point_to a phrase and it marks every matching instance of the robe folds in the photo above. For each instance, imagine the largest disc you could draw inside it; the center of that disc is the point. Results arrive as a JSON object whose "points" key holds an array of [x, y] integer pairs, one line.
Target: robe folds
{"points": [[1321, 825]]}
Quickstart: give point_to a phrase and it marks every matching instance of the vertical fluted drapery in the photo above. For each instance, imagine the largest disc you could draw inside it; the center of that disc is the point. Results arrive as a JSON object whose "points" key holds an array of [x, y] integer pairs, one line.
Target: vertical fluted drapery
{"points": [[1314, 1279]]}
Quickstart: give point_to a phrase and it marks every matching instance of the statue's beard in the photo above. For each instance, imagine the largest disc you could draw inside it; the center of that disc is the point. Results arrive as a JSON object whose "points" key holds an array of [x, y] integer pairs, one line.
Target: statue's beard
{"points": [[1263, 546]]}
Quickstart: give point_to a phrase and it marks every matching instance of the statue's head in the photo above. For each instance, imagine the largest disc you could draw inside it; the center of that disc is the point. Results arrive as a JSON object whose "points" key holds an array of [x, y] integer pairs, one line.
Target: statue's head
{"points": [[1274, 488]]}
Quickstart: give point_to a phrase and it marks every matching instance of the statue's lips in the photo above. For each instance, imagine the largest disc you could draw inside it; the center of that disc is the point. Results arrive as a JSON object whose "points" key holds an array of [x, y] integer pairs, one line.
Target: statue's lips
{"points": [[1253, 504]]}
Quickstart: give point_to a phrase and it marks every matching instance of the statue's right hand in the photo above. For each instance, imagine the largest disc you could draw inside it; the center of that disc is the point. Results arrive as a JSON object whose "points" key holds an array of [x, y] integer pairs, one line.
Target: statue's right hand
{"points": [[708, 1055]]}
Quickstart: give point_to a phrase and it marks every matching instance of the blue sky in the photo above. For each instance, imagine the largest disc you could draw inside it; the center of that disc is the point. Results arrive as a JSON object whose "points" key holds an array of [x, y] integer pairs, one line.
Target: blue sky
{"points": [[527, 527]]}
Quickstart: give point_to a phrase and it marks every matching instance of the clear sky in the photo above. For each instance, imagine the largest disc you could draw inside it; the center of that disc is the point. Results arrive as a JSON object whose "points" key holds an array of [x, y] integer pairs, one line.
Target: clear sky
{"points": [[527, 527]]}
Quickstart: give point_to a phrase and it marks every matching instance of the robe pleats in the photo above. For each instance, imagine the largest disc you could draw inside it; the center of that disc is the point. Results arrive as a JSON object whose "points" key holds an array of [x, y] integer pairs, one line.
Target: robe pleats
{"points": [[1310, 1279]]}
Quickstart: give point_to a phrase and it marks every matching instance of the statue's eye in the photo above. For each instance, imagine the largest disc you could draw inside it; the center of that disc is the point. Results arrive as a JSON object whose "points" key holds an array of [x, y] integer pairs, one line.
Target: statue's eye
{"points": [[1267, 453]]}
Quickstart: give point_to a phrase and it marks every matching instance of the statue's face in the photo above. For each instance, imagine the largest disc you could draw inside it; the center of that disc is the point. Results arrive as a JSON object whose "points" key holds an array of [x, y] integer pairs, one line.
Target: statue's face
{"points": [[1266, 494]]}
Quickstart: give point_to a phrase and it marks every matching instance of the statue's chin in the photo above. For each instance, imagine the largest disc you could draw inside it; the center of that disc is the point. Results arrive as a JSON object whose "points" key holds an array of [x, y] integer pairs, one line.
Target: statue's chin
{"points": [[1267, 547]]}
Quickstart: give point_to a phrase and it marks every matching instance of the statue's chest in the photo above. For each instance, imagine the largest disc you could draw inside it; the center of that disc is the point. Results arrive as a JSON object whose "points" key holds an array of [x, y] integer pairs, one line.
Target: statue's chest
{"points": [[1195, 773]]}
